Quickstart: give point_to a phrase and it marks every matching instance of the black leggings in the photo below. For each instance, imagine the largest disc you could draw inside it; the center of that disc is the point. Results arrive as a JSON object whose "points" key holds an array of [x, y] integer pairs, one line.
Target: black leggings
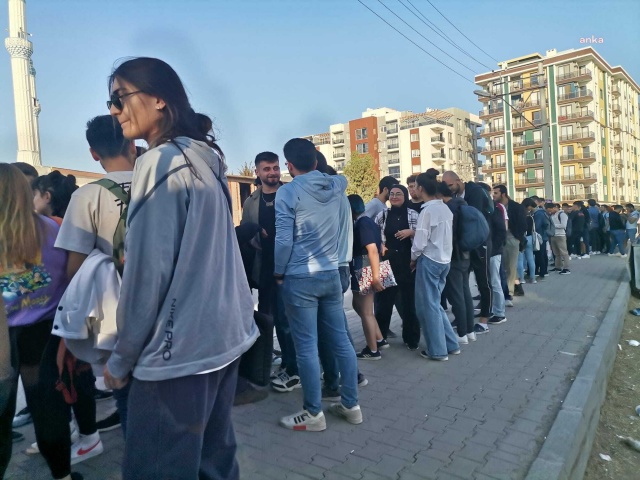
{"points": [[51, 421]]}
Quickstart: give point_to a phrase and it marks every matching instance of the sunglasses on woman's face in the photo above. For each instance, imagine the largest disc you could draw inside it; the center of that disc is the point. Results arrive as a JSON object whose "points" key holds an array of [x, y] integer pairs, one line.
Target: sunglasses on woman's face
{"points": [[116, 100]]}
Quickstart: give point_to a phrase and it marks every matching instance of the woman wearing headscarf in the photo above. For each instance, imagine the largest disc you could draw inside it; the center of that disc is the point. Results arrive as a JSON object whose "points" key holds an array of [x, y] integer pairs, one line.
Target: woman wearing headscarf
{"points": [[397, 226]]}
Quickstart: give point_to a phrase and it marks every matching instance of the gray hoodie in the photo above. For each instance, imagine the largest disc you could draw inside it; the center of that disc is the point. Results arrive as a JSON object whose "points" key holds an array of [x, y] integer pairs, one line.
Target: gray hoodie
{"points": [[308, 223], [185, 305]]}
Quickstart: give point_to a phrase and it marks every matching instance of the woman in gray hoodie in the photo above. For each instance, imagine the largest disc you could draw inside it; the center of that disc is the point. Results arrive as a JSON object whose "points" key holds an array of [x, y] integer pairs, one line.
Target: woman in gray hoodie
{"points": [[186, 313]]}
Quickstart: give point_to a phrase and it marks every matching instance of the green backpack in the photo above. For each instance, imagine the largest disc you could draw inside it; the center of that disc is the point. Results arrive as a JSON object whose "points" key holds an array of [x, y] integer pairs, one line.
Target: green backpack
{"points": [[118, 236]]}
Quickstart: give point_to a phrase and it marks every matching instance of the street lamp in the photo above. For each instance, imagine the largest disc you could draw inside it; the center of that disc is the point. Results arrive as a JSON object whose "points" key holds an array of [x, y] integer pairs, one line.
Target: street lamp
{"points": [[546, 146]]}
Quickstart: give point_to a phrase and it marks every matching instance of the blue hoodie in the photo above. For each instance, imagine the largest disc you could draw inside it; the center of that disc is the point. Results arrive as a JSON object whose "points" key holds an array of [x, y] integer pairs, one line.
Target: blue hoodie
{"points": [[308, 223]]}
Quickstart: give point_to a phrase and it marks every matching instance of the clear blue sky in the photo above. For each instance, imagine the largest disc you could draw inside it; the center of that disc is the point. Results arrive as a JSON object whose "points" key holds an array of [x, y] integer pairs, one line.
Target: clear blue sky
{"points": [[270, 70]]}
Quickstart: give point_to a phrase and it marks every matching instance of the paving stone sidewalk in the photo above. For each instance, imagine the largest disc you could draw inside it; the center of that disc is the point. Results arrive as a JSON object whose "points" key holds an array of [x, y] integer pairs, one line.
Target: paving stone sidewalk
{"points": [[483, 414]]}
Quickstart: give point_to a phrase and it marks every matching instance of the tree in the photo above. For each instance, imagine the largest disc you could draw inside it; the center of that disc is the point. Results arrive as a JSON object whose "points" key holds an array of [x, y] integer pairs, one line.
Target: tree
{"points": [[362, 176], [246, 170]]}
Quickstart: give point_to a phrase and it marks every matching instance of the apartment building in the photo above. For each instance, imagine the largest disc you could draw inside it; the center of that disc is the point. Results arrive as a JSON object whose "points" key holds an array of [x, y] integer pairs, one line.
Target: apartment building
{"points": [[403, 142], [592, 119]]}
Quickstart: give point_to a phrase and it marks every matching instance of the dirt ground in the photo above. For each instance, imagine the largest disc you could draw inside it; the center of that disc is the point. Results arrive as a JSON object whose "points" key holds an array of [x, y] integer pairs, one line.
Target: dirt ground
{"points": [[618, 416]]}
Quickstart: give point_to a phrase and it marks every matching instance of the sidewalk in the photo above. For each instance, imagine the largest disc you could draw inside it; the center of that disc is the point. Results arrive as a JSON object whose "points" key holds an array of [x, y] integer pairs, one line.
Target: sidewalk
{"points": [[483, 414]]}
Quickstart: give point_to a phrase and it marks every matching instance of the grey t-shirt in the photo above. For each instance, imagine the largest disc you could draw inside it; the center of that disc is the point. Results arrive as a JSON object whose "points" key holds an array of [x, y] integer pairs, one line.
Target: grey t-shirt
{"points": [[374, 207]]}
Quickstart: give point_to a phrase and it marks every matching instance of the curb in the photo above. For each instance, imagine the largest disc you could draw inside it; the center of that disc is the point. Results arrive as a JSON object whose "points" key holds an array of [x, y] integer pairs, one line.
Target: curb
{"points": [[566, 450]]}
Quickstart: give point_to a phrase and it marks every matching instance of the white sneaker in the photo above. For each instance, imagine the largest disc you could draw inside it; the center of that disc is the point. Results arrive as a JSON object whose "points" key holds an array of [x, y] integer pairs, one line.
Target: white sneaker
{"points": [[304, 421], [586, 255], [472, 336], [624, 256], [87, 446], [463, 340], [286, 383], [32, 449], [508, 303], [352, 415]]}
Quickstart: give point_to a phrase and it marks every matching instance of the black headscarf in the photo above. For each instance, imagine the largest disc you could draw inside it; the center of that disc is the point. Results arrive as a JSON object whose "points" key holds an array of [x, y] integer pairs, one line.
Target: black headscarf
{"points": [[405, 205]]}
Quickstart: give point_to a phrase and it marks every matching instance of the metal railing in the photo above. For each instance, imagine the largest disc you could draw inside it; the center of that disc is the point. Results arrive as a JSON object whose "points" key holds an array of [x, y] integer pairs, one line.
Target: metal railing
{"points": [[528, 181], [615, 106], [579, 176], [526, 143], [521, 124], [575, 74], [492, 129], [438, 138], [438, 155], [393, 146], [493, 166], [527, 161], [577, 156], [493, 148], [391, 131], [338, 140], [339, 155], [537, 81], [573, 116], [575, 95], [577, 136], [491, 111]]}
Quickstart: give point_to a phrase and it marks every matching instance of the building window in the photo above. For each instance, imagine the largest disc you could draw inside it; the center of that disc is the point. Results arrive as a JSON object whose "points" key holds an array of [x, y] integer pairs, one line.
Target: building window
{"points": [[361, 133], [450, 136], [383, 144], [415, 153], [362, 148], [394, 172], [415, 137], [383, 129]]}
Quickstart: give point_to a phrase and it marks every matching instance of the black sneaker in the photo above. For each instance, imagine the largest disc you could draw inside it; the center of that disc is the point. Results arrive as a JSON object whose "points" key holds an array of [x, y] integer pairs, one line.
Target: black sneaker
{"points": [[479, 329], [412, 348], [76, 476], [518, 291], [330, 395], [16, 436], [102, 395], [555, 270], [367, 354], [382, 344], [565, 271], [391, 334], [495, 320], [285, 382], [362, 380], [110, 423]]}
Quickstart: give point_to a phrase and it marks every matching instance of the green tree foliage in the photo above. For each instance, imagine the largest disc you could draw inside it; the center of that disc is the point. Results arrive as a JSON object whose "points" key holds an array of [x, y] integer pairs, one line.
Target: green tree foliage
{"points": [[362, 176], [246, 170]]}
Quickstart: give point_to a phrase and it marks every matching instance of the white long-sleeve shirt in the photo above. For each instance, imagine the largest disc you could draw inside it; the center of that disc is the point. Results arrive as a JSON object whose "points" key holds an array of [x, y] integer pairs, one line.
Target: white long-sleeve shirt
{"points": [[434, 235]]}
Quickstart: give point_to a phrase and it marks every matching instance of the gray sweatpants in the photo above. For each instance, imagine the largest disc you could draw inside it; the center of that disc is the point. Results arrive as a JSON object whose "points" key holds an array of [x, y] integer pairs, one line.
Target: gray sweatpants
{"points": [[181, 428]]}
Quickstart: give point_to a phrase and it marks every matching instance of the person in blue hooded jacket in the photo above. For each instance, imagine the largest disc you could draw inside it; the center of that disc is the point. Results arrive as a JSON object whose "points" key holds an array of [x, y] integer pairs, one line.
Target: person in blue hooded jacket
{"points": [[306, 268]]}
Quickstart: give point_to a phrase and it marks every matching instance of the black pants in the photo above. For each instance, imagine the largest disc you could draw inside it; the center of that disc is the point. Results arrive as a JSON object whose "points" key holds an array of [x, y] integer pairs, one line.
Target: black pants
{"points": [[458, 293], [181, 428], [575, 246], [51, 422], [480, 266], [542, 260], [595, 238], [503, 281]]}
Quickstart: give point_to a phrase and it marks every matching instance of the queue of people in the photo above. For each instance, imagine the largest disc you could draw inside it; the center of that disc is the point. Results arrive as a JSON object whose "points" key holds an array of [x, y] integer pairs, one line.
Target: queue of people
{"points": [[101, 281]]}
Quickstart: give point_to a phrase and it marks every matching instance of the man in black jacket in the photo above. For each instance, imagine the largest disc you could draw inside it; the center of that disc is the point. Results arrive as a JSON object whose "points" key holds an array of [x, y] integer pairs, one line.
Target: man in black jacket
{"points": [[515, 237], [476, 197]]}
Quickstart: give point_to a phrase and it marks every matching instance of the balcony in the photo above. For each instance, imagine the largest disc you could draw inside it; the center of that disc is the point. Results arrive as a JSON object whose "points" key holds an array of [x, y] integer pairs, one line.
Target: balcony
{"points": [[392, 130], [490, 112], [338, 141], [520, 125], [523, 144], [615, 107], [393, 161], [617, 146], [529, 181], [581, 75], [491, 130], [438, 141], [490, 149], [584, 158], [580, 96], [339, 166], [494, 167], [579, 196], [577, 117], [438, 158], [616, 126], [615, 91], [520, 163], [393, 146], [528, 105], [527, 84], [580, 177], [582, 137], [339, 155]]}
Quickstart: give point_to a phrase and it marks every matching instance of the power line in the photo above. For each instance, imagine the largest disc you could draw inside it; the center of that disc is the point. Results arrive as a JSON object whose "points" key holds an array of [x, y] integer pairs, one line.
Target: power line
{"points": [[407, 38], [439, 32], [408, 25], [443, 16]]}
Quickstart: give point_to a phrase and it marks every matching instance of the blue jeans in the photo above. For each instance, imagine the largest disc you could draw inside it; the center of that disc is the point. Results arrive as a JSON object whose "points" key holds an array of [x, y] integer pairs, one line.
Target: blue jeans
{"points": [[617, 238], [122, 398], [325, 349], [313, 303], [527, 256], [497, 306], [436, 328], [631, 234]]}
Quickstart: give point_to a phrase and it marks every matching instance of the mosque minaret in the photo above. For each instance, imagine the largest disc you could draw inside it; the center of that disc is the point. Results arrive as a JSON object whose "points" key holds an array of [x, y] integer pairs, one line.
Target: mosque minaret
{"points": [[27, 107]]}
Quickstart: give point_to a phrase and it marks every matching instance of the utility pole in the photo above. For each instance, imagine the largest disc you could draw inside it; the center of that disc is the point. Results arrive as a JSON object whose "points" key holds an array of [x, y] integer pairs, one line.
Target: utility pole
{"points": [[546, 139]]}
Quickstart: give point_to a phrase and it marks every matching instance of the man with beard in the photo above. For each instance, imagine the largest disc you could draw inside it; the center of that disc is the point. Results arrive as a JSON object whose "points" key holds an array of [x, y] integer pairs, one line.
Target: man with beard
{"points": [[260, 208]]}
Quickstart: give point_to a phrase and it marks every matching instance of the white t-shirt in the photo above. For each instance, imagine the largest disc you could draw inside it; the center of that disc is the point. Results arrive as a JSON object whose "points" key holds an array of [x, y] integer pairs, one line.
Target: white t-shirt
{"points": [[92, 217]]}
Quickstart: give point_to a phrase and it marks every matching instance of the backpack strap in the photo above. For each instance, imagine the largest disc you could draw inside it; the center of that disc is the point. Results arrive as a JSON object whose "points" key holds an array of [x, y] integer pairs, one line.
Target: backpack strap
{"points": [[118, 191]]}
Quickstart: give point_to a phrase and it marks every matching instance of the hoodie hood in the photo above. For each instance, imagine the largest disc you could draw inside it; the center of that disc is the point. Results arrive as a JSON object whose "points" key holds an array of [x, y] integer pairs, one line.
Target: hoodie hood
{"points": [[321, 187], [455, 203]]}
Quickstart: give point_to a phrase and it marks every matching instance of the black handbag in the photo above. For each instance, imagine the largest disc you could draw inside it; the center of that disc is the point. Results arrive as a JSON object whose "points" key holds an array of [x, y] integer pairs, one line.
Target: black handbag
{"points": [[255, 363]]}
